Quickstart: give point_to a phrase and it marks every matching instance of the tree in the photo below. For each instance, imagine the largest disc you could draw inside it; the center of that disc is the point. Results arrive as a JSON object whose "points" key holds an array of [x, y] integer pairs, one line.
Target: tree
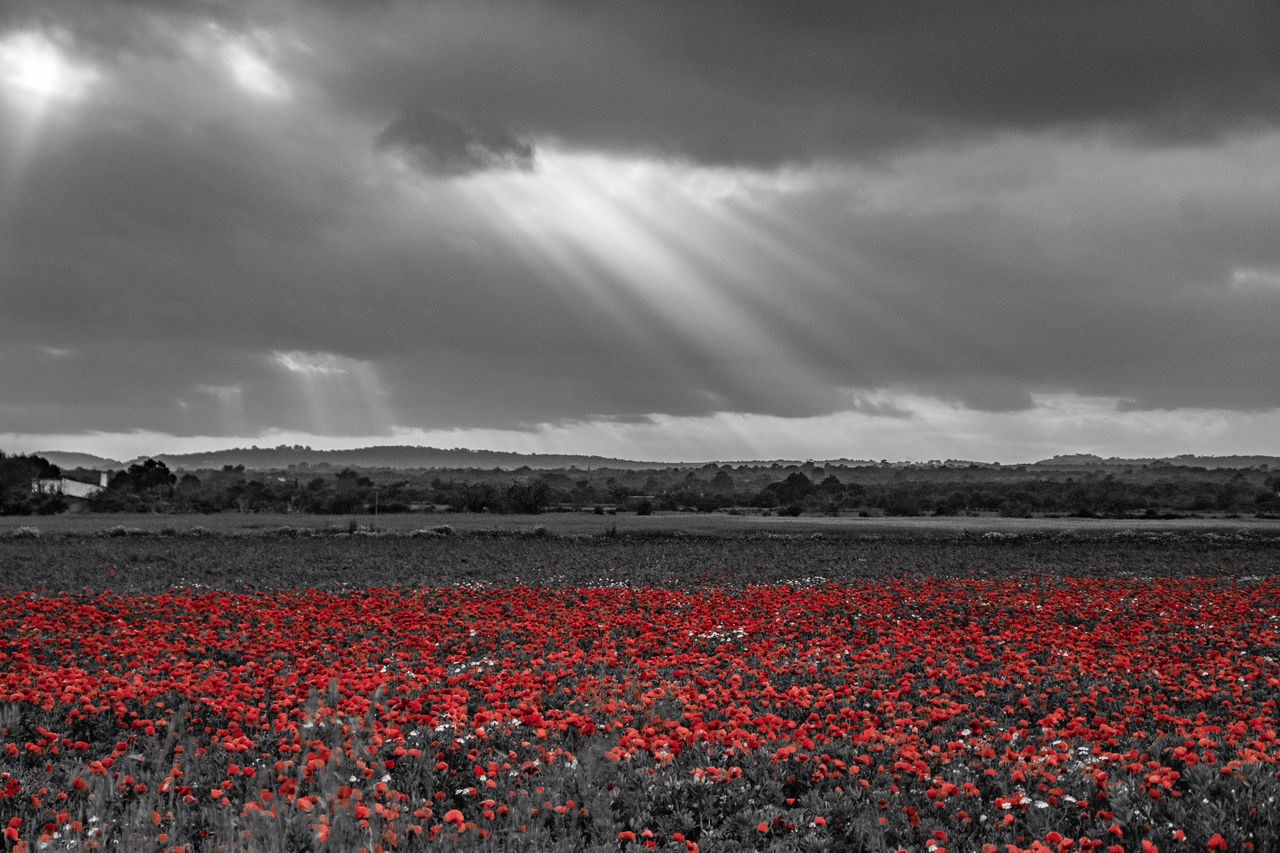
{"points": [[794, 489], [474, 497], [17, 473], [22, 470], [527, 496], [150, 476]]}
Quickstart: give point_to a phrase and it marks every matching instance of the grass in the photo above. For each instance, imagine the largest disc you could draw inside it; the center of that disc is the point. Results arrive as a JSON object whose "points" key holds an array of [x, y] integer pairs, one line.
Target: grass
{"points": [[587, 523]]}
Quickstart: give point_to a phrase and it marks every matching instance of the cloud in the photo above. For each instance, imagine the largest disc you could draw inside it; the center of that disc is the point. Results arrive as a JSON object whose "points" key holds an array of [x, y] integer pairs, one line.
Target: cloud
{"points": [[764, 84], [672, 211], [1056, 424], [1251, 279], [439, 145]]}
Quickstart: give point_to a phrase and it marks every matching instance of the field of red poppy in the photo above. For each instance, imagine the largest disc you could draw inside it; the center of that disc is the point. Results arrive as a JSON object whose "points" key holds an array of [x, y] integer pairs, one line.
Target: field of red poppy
{"points": [[483, 692]]}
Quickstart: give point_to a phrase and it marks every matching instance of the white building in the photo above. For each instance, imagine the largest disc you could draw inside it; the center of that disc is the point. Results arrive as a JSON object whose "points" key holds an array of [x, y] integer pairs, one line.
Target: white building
{"points": [[69, 488]]}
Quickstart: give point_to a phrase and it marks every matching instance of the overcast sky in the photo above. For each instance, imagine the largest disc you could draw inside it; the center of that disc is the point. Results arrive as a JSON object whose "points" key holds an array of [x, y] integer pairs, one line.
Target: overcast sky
{"points": [[662, 229]]}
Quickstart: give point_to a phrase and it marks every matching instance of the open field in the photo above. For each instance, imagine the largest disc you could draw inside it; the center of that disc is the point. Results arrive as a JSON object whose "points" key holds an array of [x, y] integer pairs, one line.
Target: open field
{"points": [[700, 524], [271, 689]]}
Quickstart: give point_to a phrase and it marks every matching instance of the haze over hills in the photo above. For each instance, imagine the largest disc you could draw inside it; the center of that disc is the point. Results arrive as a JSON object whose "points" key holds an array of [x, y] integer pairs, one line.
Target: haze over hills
{"points": [[67, 460], [390, 456], [416, 457], [1189, 460]]}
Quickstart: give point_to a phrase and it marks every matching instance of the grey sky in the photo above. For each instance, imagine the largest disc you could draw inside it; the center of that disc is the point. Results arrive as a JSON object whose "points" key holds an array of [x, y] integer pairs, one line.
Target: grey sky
{"points": [[818, 229]]}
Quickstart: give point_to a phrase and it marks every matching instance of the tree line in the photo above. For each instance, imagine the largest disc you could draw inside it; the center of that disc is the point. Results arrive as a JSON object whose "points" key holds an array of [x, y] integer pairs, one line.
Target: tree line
{"points": [[1017, 491]]}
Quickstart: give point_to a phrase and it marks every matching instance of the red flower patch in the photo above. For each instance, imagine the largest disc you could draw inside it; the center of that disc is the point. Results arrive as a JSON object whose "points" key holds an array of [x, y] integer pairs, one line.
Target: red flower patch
{"points": [[968, 712]]}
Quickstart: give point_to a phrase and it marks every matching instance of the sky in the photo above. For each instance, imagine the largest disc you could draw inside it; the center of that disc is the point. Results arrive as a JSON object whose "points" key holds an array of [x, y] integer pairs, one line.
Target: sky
{"points": [[668, 230]]}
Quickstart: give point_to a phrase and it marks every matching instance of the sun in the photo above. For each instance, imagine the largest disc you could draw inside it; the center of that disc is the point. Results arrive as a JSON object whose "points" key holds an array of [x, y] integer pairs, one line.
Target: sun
{"points": [[39, 80], [34, 65]]}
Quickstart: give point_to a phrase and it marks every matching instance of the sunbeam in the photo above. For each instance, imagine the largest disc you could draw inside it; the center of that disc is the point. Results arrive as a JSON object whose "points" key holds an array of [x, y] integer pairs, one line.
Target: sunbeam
{"points": [[37, 77], [659, 251], [228, 404], [244, 58], [340, 395]]}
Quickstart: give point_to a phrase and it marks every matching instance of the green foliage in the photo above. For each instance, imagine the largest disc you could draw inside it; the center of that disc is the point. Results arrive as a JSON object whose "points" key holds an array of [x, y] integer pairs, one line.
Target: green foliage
{"points": [[17, 474], [140, 478], [1154, 490]]}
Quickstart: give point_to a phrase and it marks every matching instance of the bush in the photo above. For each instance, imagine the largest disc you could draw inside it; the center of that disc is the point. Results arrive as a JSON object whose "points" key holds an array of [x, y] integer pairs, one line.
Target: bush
{"points": [[1015, 509], [442, 531], [48, 504]]}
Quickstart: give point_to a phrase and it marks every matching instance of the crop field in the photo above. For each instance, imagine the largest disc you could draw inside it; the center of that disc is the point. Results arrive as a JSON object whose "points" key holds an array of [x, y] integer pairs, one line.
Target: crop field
{"points": [[297, 690]]}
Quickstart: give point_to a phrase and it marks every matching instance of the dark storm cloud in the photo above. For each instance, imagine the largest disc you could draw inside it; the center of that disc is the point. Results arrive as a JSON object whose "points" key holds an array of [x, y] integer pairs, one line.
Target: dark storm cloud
{"points": [[1001, 200], [441, 145], [763, 83], [755, 83], [117, 30], [1086, 277]]}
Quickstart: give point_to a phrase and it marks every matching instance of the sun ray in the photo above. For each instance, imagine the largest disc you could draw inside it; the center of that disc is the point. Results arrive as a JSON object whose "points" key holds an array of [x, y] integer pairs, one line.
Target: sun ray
{"points": [[512, 204], [340, 395], [228, 401], [626, 237], [37, 78]]}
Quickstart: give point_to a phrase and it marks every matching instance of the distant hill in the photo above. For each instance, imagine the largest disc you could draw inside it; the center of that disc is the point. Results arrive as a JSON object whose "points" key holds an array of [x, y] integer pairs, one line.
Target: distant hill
{"points": [[66, 461], [1187, 460], [1072, 459], [407, 457], [396, 456], [1222, 461]]}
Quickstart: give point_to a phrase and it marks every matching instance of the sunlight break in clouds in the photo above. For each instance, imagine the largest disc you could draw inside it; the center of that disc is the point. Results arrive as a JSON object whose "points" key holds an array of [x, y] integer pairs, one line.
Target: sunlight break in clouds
{"points": [[37, 77], [663, 250], [243, 57], [928, 430], [341, 396], [35, 65]]}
